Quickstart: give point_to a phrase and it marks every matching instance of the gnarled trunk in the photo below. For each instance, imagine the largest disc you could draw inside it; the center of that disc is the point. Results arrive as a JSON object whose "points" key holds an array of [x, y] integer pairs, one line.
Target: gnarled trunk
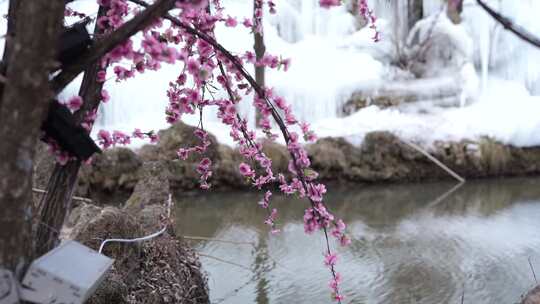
{"points": [[25, 98]]}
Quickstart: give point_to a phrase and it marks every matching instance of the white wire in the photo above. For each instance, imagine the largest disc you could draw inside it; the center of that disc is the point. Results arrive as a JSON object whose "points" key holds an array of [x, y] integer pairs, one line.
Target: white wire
{"points": [[144, 238], [148, 237]]}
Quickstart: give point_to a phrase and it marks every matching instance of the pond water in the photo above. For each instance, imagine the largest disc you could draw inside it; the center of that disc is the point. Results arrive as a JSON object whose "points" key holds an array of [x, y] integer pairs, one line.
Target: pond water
{"points": [[424, 243]]}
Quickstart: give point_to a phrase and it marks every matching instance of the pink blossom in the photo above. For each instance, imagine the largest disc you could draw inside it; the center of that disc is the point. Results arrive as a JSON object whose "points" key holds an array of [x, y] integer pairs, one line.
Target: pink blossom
{"points": [[330, 259], [138, 133], [105, 139], [183, 154], [74, 103], [193, 66], [230, 22], [204, 165], [154, 138], [192, 4], [329, 3], [246, 170], [101, 76], [247, 23], [265, 202], [120, 137], [105, 96]]}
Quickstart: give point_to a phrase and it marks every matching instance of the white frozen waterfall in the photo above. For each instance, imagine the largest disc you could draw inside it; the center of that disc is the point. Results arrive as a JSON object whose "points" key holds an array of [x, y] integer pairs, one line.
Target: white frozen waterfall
{"points": [[331, 58], [321, 78]]}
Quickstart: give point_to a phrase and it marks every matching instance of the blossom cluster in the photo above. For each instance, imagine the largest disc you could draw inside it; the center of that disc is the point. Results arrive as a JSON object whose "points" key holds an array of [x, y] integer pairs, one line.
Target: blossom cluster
{"points": [[367, 13], [107, 139], [204, 167]]}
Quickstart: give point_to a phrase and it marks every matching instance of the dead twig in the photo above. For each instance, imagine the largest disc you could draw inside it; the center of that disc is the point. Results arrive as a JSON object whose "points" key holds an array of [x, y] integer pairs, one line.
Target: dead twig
{"points": [[463, 294], [223, 261], [532, 270], [201, 238], [445, 195], [433, 159], [76, 198]]}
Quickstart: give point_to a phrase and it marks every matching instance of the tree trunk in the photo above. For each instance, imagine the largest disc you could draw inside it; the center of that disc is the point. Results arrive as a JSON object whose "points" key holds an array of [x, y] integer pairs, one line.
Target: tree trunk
{"points": [[55, 205], [415, 12], [455, 7], [10, 35], [25, 99], [259, 49]]}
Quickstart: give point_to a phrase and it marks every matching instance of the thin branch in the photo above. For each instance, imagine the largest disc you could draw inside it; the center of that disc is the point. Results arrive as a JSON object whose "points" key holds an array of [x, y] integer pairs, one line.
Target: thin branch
{"points": [[261, 93], [108, 43], [201, 238], [444, 196], [532, 270], [433, 159], [75, 198], [519, 31], [223, 261]]}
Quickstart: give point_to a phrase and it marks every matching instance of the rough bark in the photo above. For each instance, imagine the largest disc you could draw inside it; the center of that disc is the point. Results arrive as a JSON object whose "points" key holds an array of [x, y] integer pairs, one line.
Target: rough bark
{"points": [[55, 205], [24, 102], [10, 35]]}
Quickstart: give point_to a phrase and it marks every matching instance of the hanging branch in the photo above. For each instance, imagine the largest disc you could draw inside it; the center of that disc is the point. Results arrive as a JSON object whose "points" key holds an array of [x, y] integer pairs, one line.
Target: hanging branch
{"points": [[108, 43], [261, 93], [519, 31]]}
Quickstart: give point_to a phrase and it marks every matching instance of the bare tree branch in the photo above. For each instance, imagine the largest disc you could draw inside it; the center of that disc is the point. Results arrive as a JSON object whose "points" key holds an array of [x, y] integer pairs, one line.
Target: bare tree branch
{"points": [[108, 43], [519, 31]]}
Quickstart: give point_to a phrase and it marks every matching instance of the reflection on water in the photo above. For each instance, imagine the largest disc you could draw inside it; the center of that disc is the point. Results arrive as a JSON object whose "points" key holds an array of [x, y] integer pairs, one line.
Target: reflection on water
{"points": [[411, 244]]}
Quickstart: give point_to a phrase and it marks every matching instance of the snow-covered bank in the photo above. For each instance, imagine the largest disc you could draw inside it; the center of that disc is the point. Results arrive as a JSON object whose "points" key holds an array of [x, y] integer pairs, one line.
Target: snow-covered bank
{"points": [[506, 113]]}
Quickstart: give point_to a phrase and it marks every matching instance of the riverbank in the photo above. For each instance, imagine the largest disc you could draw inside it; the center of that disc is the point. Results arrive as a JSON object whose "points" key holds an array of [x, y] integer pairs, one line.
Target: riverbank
{"points": [[381, 158]]}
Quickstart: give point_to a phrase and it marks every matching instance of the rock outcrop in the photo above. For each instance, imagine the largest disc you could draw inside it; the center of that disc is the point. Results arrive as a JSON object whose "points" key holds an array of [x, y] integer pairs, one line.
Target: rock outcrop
{"points": [[532, 297], [152, 188], [111, 176], [382, 157]]}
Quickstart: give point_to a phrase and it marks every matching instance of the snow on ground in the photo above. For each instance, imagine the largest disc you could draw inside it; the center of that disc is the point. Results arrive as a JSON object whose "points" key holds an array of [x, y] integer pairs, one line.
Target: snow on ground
{"points": [[330, 60], [506, 113]]}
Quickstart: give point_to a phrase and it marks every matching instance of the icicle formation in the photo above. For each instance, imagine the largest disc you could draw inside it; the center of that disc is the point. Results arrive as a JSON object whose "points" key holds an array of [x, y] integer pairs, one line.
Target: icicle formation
{"points": [[188, 37]]}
